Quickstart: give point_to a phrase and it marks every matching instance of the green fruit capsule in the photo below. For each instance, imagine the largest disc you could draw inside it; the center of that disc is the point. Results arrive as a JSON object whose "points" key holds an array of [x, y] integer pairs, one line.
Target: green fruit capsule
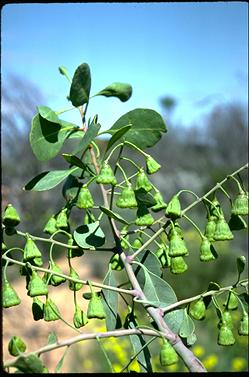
{"points": [[197, 309], [9, 295], [50, 227], [84, 199], [243, 325], [56, 280], [162, 254], [37, 309], [178, 265], [106, 175], [215, 209], [11, 217], [127, 199], [50, 311], [142, 181], [232, 301], [160, 204], [168, 355], [240, 204], [210, 228], [207, 252], [36, 286], [74, 286], [31, 251], [116, 262], [95, 307], [152, 166], [79, 319], [222, 230], [37, 261], [16, 346], [177, 246], [237, 222], [144, 218], [61, 219], [173, 209], [226, 319], [137, 243], [225, 336]]}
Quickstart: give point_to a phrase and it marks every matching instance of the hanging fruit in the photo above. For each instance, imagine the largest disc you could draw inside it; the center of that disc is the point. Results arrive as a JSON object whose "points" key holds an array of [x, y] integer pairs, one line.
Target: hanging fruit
{"points": [[116, 262], [178, 265], [210, 228], [152, 166], [16, 346], [10, 216], [50, 311], [79, 319], [61, 219], [55, 279], [84, 199], [95, 307], [9, 295], [197, 309], [127, 199], [240, 204], [142, 181], [106, 175], [207, 251], [225, 336], [31, 251], [173, 209], [162, 254], [160, 204], [50, 227], [72, 285], [177, 246], [168, 355], [243, 325], [36, 286], [222, 230], [144, 218]]}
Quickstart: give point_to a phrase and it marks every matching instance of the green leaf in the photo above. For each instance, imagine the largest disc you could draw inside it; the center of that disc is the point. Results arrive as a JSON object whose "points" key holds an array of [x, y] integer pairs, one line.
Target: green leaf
{"points": [[46, 137], [117, 89], [89, 236], [241, 262], [146, 130], [151, 262], [29, 364], [47, 113], [158, 290], [187, 327], [90, 134], [142, 196], [113, 215], [70, 188], [61, 361], [117, 135], [81, 85], [48, 180], [52, 338], [74, 160], [110, 301]]}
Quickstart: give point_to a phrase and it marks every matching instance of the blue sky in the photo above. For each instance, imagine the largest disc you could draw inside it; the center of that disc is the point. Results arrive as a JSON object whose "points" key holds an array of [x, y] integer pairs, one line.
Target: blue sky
{"points": [[195, 52]]}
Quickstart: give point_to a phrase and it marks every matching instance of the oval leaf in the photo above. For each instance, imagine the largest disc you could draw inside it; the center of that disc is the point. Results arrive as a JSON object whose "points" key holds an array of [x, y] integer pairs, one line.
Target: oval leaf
{"points": [[110, 301], [90, 134], [29, 364], [117, 89], [117, 135], [81, 85], [47, 113], [89, 236], [146, 130], [187, 327], [48, 179], [113, 215]]}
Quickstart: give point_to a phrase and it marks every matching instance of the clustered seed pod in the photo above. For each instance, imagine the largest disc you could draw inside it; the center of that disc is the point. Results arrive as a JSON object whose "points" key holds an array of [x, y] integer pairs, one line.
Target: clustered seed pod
{"points": [[152, 166], [226, 319], [160, 204], [84, 199], [11, 217], [177, 246], [127, 199], [168, 355], [116, 262], [95, 307], [16, 346], [36, 285], [173, 209], [31, 251], [106, 175], [197, 309], [50, 311], [178, 265], [50, 227], [79, 319], [61, 219], [142, 181], [225, 336], [207, 251], [240, 204], [9, 295], [243, 325], [210, 228], [74, 286], [222, 230], [144, 218]]}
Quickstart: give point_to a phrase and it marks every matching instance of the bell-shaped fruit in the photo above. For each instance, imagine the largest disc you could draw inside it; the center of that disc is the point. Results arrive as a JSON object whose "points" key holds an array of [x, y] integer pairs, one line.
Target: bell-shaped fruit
{"points": [[168, 355], [31, 251], [116, 262], [50, 311], [61, 219], [207, 251], [127, 199], [144, 218], [152, 166], [160, 204], [37, 309], [137, 243], [197, 309], [173, 209], [106, 175], [237, 222], [222, 230], [9, 295], [240, 204], [243, 325], [162, 254], [177, 246], [16, 346], [226, 319], [178, 265], [10, 216], [50, 227], [215, 208], [95, 307], [55, 279], [37, 261], [72, 285], [210, 228], [142, 181], [232, 301], [84, 199], [36, 286], [225, 336], [79, 319]]}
